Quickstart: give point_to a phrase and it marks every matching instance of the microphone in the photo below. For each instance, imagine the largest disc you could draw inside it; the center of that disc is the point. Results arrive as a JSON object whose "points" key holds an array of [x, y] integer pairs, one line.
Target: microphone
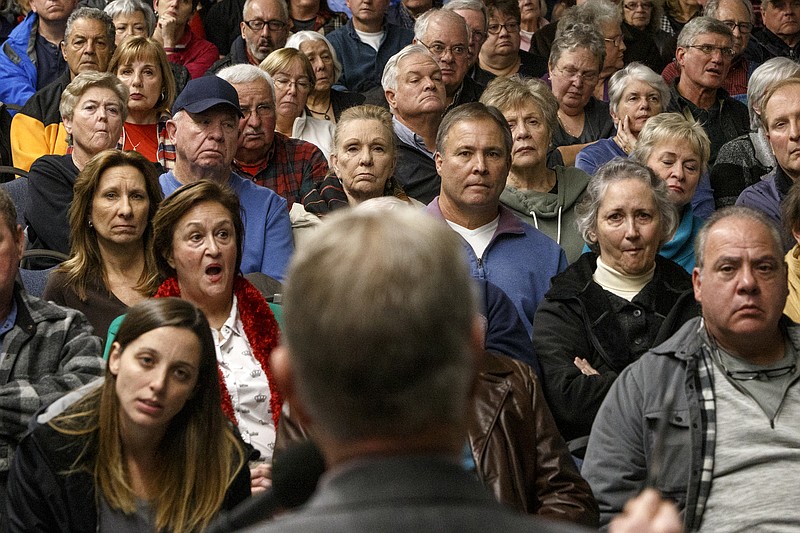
{"points": [[295, 474]]}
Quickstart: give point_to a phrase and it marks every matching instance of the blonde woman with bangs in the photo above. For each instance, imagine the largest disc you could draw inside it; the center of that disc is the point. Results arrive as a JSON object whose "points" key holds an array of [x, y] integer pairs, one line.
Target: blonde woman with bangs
{"points": [[145, 449]]}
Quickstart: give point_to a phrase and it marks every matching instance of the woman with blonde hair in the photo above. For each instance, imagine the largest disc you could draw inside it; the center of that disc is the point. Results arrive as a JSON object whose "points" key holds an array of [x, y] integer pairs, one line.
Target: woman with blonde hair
{"points": [[145, 449], [111, 264], [141, 64]]}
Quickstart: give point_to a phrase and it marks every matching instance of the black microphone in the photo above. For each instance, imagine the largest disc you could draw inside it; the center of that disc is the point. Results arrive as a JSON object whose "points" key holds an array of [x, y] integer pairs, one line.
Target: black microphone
{"points": [[295, 474]]}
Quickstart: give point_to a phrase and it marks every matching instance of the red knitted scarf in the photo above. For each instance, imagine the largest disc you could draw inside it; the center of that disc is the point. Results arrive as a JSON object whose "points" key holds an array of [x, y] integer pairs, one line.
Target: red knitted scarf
{"points": [[261, 331]]}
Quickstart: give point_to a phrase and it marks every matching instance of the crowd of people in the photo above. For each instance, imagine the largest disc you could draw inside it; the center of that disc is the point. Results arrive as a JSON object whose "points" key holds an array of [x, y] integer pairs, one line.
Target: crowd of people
{"points": [[493, 258]]}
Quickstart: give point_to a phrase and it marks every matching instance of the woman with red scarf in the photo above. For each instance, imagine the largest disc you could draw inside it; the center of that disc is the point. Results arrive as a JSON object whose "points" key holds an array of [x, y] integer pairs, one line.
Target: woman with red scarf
{"points": [[198, 236]]}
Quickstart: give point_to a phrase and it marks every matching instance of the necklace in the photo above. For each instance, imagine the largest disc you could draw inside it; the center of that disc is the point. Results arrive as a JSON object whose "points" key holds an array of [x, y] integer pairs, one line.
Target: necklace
{"points": [[126, 139], [323, 113], [564, 125]]}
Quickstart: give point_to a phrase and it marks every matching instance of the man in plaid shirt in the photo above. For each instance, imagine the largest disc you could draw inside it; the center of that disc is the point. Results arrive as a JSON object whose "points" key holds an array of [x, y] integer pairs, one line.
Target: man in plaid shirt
{"points": [[46, 350]]}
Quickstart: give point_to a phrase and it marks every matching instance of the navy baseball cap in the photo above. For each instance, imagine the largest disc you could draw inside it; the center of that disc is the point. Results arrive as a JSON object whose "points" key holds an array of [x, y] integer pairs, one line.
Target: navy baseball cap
{"points": [[203, 93]]}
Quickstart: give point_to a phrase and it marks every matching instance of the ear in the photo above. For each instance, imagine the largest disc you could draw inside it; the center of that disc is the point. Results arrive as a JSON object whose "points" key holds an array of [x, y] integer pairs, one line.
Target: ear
{"points": [[614, 116], [697, 284], [796, 235], [334, 162], [679, 57], [171, 128], [437, 158], [171, 261], [67, 124], [390, 97], [283, 374], [114, 358], [242, 26]]}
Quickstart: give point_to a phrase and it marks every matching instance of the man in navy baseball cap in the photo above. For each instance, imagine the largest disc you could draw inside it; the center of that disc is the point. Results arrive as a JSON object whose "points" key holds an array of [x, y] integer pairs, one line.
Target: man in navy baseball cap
{"points": [[203, 93]]}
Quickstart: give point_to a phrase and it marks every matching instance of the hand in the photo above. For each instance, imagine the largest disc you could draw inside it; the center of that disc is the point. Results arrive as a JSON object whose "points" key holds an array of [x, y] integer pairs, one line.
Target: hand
{"points": [[167, 30], [625, 138], [260, 477], [585, 368], [647, 513]]}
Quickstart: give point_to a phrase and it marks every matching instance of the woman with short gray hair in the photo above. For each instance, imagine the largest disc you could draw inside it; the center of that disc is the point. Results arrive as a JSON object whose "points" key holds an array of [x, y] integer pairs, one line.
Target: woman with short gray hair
{"points": [[614, 303], [636, 93], [742, 161]]}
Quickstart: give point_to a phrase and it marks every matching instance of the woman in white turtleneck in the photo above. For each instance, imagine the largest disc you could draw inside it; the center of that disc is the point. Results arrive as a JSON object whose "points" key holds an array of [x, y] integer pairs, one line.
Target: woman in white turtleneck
{"points": [[615, 302]]}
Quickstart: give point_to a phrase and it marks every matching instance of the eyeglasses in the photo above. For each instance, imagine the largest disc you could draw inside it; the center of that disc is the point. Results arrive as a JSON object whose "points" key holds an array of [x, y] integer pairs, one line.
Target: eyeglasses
{"points": [[261, 110], [511, 27], [709, 49], [284, 83], [616, 40], [574, 74], [438, 49], [744, 27], [633, 6], [258, 24], [749, 375]]}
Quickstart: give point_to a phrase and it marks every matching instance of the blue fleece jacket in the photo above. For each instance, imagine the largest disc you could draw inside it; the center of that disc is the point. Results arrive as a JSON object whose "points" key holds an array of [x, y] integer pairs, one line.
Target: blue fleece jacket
{"points": [[17, 71]]}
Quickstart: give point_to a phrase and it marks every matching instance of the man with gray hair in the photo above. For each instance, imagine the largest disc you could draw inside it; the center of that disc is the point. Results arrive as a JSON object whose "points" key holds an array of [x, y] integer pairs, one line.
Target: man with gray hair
{"points": [[473, 156], [447, 37], [738, 16], [45, 350], [264, 28], [476, 14], [290, 167], [385, 387], [709, 417], [413, 86], [704, 55], [205, 130], [780, 34]]}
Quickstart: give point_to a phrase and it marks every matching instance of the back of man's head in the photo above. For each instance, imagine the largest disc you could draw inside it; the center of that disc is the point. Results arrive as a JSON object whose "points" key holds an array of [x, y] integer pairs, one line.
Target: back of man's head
{"points": [[379, 310]]}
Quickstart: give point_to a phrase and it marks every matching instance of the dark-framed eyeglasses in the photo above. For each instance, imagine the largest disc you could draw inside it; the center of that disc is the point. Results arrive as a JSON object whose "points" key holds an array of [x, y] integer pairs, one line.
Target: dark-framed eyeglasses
{"points": [[438, 49], [709, 49], [633, 6], [744, 27], [261, 110], [511, 27], [749, 375], [258, 24]]}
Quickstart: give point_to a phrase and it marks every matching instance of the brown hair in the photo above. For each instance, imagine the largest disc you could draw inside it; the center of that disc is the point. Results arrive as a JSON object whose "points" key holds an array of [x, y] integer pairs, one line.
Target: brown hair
{"points": [[141, 48]]}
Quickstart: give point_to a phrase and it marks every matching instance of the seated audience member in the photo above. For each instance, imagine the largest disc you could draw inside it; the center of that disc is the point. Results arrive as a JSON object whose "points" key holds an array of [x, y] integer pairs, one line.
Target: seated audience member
{"points": [[790, 216], [181, 45], [413, 85], [141, 64], [635, 93], [46, 349], [615, 302], [500, 54], [779, 36], [205, 130], [738, 16], [576, 59], [780, 116], [477, 16], [324, 102], [362, 163], [111, 264], [642, 20], [293, 78], [393, 430], [147, 448], [473, 157], [198, 236], [704, 54], [544, 198], [31, 58], [93, 107], [316, 16], [530, 21], [264, 28], [38, 130], [676, 150], [744, 160], [290, 167], [442, 31], [720, 396]]}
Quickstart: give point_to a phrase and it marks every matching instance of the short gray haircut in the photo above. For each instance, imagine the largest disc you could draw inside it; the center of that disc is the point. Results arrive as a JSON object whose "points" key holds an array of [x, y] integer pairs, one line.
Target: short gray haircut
{"points": [[474, 111], [635, 72], [620, 169], [765, 76], [92, 14], [115, 8], [88, 80], [700, 26], [510, 93], [470, 5], [711, 8], [440, 14], [246, 73], [304, 36], [668, 127], [398, 361], [579, 36], [595, 13], [389, 78], [284, 8], [739, 212]]}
